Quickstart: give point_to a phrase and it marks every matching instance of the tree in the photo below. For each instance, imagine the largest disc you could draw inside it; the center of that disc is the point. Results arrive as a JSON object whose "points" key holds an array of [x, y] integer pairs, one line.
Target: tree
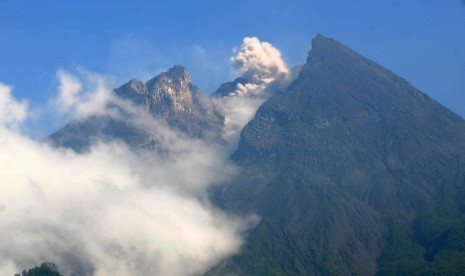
{"points": [[45, 269]]}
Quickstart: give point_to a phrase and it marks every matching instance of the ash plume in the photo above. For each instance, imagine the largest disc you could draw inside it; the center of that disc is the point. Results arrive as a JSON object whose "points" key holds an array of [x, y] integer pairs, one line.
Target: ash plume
{"points": [[262, 65]]}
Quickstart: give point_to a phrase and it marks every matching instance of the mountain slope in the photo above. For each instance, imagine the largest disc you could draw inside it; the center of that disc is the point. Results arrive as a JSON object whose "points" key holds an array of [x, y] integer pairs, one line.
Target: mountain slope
{"points": [[347, 157], [173, 97], [169, 97], [229, 87]]}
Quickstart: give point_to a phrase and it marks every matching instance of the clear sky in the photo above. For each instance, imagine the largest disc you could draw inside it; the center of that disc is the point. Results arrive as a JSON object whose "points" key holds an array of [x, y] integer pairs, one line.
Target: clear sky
{"points": [[421, 40]]}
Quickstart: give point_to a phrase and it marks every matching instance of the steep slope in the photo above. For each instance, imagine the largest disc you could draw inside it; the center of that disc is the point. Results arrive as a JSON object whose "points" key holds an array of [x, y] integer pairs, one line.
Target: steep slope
{"points": [[169, 97], [174, 98], [347, 168], [228, 87]]}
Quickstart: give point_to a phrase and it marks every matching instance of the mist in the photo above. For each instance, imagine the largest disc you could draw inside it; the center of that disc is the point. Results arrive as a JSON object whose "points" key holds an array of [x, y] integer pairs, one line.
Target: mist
{"points": [[110, 210]]}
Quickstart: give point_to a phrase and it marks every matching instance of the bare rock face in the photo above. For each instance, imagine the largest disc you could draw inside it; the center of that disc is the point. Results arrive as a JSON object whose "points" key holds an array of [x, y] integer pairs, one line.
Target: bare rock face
{"points": [[170, 98], [173, 98], [173, 89], [134, 90]]}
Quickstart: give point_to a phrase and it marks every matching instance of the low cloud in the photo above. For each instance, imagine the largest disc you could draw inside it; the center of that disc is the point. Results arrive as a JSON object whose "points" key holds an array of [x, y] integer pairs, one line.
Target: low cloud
{"points": [[12, 112], [69, 89], [111, 211], [82, 97]]}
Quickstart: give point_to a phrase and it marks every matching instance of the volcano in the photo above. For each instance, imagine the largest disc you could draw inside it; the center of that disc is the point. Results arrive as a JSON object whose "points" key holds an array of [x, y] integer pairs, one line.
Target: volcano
{"points": [[353, 171]]}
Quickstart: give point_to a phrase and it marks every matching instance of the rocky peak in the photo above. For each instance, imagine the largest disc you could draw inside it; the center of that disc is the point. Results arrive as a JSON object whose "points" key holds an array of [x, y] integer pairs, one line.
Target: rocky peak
{"points": [[132, 86], [173, 88], [326, 50], [137, 86], [133, 90], [322, 44], [178, 73], [176, 77], [330, 55]]}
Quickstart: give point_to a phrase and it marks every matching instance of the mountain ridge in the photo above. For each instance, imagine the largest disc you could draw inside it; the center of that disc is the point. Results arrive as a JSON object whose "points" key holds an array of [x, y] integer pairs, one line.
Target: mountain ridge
{"points": [[352, 170], [169, 97], [346, 155]]}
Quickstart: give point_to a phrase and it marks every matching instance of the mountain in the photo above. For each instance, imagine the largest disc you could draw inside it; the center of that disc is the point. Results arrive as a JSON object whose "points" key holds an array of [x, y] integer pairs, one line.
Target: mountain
{"points": [[170, 97], [229, 87], [353, 172], [351, 169], [173, 97]]}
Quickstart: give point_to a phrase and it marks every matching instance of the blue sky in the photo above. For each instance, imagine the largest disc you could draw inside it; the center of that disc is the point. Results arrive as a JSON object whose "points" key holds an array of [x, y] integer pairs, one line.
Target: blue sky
{"points": [[421, 40]]}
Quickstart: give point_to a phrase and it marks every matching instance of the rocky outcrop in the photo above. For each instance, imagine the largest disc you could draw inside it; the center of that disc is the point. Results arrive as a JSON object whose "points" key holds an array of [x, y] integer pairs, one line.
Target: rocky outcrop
{"points": [[170, 98]]}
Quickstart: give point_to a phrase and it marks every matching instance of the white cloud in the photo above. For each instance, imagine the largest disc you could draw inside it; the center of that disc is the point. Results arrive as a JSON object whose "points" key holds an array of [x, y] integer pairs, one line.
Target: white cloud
{"points": [[69, 88], [82, 96], [12, 112], [111, 211]]}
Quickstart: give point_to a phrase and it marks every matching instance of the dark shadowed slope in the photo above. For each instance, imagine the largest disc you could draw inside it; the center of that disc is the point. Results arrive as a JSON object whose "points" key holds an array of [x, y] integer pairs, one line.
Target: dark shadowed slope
{"points": [[229, 87], [349, 169]]}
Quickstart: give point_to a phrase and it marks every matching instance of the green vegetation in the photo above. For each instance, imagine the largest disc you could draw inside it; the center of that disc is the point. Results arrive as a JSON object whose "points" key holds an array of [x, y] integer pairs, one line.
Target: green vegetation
{"points": [[402, 255], [436, 247], [45, 269]]}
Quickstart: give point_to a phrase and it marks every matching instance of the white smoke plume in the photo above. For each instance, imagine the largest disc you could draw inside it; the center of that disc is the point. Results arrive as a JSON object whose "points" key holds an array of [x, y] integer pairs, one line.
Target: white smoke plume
{"points": [[261, 64], [110, 211]]}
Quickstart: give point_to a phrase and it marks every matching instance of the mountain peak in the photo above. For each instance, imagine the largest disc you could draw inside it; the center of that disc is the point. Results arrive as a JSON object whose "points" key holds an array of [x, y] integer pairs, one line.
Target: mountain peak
{"points": [[177, 73], [133, 90], [229, 87], [175, 80], [173, 97], [136, 85], [348, 155], [328, 49], [321, 39]]}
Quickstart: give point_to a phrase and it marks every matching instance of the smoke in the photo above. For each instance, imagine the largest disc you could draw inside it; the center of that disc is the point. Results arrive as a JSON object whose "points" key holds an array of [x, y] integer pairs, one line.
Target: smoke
{"points": [[110, 211], [238, 112], [261, 64]]}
